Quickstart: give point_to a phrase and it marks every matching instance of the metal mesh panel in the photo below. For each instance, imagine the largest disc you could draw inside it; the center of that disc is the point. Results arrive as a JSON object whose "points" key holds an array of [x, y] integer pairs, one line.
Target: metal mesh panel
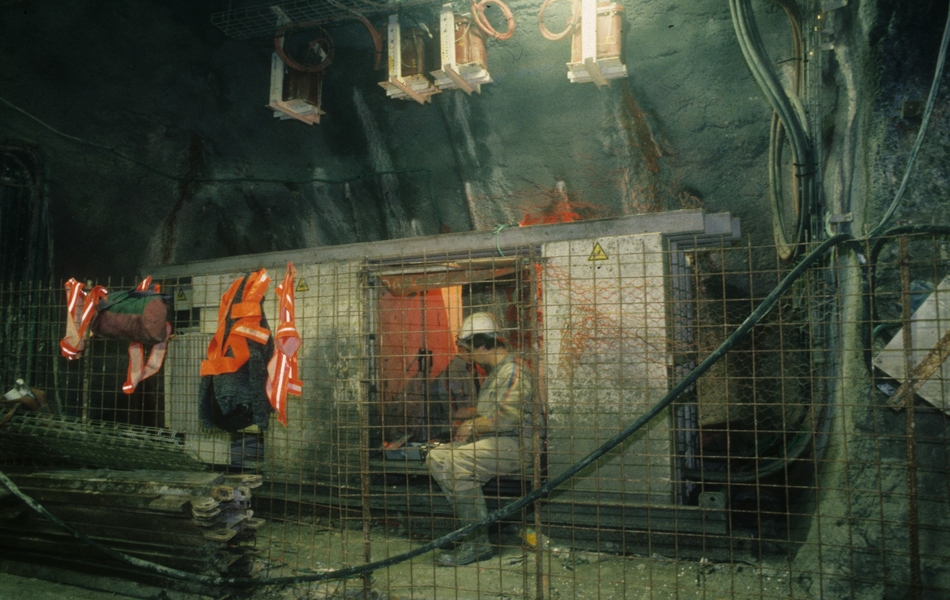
{"points": [[788, 470], [59, 440], [261, 19]]}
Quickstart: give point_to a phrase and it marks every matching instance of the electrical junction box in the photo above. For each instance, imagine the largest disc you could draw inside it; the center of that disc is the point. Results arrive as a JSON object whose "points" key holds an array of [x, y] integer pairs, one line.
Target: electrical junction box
{"points": [[407, 58], [295, 94], [464, 58], [596, 48]]}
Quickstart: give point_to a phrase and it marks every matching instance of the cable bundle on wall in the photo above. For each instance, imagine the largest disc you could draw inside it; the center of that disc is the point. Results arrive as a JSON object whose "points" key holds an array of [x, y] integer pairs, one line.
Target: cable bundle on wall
{"points": [[789, 122]]}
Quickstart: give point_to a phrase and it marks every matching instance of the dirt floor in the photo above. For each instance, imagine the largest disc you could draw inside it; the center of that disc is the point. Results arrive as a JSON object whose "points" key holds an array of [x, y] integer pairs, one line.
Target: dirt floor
{"points": [[18, 587], [300, 550], [512, 573]]}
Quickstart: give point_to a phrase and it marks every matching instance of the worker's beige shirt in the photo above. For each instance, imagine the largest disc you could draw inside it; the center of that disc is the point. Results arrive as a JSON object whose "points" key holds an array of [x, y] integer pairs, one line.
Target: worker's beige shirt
{"points": [[505, 399]]}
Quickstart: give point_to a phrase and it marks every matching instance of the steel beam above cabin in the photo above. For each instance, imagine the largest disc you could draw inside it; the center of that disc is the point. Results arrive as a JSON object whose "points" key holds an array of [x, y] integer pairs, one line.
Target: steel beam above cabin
{"points": [[681, 224]]}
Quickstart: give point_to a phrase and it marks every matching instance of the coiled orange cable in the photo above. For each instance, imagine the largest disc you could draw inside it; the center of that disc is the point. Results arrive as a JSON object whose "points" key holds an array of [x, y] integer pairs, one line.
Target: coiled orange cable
{"points": [[572, 24], [478, 15]]}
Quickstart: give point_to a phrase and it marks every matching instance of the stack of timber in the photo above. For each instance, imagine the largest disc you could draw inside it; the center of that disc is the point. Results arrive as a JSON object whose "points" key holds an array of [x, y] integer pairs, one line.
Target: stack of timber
{"points": [[38, 438], [201, 523]]}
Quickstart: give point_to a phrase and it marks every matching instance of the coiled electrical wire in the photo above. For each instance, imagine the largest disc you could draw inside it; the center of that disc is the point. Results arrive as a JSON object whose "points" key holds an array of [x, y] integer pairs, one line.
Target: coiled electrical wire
{"points": [[572, 23], [478, 15]]}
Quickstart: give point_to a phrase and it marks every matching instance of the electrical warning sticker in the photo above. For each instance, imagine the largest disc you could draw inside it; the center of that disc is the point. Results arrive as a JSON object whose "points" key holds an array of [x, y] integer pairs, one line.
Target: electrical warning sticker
{"points": [[597, 253], [302, 286]]}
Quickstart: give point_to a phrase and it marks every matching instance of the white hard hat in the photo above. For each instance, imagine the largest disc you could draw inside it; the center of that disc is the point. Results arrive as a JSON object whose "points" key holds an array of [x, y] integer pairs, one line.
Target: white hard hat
{"points": [[480, 322]]}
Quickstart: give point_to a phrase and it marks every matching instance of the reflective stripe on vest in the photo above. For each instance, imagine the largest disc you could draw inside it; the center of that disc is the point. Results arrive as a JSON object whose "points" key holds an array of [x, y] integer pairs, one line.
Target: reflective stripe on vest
{"points": [[80, 308], [282, 378], [139, 367]]}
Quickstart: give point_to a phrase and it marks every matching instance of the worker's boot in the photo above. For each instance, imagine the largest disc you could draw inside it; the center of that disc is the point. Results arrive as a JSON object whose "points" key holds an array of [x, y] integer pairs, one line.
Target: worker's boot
{"points": [[469, 508]]}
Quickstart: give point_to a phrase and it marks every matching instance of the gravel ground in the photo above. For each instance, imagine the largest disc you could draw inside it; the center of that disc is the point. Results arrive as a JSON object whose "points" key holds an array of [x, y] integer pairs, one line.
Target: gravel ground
{"points": [[512, 572]]}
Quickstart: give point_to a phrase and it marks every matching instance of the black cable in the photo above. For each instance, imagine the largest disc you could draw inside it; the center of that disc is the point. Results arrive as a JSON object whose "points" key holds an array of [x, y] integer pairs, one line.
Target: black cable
{"points": [[788, 122], [760, 469], [931, 100], [757, 315]]}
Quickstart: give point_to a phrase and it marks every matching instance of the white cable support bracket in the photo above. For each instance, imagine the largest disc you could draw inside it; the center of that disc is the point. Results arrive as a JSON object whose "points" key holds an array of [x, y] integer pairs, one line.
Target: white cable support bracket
{"points": [[830, 5], [307, 109], [307, 88], [470, 75], [415, 86], [600, 56]]}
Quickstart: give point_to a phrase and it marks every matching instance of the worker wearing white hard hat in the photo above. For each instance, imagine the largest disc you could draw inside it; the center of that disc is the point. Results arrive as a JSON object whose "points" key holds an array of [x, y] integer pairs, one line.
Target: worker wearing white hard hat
{"points": [[496, 441]]}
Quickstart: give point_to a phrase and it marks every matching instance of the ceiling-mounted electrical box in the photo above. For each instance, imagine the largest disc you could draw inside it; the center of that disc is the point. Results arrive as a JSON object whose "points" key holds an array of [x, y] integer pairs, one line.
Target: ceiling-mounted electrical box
{"points": [[464, 58], [596, 47], [407, 58], [295, 94]]}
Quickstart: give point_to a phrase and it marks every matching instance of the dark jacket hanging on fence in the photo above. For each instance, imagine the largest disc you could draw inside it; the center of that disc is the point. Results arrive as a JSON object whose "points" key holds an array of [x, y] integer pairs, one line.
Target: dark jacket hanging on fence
{"points": [[233, 393]]}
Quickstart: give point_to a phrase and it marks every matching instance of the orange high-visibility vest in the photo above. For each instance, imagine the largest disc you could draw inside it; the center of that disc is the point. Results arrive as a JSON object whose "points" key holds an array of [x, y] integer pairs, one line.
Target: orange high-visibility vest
{"points": [[139, 367], [229, 355], [81, 307], [282, 377]]}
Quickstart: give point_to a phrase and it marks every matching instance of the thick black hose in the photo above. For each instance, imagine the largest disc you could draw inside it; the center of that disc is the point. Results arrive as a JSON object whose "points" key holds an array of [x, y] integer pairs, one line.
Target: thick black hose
{"points": [[753, 50], [761, 470], [787, 245], [757, 315]]}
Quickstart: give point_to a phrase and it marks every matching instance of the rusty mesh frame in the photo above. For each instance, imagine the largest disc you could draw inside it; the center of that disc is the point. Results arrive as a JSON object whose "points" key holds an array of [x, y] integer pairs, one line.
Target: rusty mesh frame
{"points": [[781, 474]]}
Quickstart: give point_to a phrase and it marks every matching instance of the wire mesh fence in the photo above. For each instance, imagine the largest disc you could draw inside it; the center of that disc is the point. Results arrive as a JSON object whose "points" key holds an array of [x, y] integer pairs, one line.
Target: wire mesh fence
{"points": [[788, 470]]}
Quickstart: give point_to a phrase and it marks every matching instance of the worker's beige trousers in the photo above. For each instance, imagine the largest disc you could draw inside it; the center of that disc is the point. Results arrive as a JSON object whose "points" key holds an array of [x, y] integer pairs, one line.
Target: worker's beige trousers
{"points": [[461, 467]]}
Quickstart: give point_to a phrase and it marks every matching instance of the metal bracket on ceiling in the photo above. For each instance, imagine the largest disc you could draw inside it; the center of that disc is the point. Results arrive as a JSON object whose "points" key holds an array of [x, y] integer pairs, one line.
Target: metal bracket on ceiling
{"points": [[414, 85], [841, 218], [830, 5], [827, 30], [596, 55]]}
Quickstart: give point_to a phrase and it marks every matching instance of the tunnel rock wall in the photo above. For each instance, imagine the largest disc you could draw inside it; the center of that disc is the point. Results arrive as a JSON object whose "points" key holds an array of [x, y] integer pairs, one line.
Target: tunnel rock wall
{"points": [[161, 148]]}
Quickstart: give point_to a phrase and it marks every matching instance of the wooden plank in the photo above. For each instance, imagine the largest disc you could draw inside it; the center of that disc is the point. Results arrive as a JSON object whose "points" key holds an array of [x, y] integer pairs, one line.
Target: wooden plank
{"points": [[922, 373], [171, 504], [106, 534], [197, 564], [141, 520]]}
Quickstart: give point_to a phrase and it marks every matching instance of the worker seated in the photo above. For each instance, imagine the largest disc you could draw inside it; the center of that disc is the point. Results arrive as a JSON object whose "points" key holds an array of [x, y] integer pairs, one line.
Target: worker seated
{"points": [[495, 440]]}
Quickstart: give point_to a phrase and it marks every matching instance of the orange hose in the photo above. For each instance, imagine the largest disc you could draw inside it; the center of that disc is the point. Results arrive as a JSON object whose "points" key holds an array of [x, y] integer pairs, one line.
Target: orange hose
{"points": [[478, 15], [572, 23], [377, 40]]}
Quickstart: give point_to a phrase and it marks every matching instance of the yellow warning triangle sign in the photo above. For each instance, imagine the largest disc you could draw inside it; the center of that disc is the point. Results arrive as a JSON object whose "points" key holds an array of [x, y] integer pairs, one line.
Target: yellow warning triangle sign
{"points": [[180, 295], [302, 286], [597, 253]]}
